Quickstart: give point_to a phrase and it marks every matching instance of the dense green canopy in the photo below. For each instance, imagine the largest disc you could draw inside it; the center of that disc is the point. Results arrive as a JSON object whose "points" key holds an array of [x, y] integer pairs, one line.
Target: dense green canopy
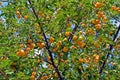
{"points": [[59, 39]]}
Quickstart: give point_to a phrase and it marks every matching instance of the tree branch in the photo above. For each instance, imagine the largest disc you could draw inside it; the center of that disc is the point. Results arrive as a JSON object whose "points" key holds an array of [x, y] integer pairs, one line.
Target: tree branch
{"points": [[73, 32], [111, 47], [5, 75], [47, 44]]}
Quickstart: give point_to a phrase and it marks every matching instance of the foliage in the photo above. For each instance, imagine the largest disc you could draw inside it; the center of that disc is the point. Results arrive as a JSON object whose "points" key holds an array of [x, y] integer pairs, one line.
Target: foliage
{"points": [[73, 39]]}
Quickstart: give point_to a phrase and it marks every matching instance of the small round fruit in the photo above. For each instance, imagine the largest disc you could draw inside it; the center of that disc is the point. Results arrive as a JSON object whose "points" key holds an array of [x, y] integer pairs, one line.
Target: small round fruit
{"points": [[25, 17], [65, 49]]}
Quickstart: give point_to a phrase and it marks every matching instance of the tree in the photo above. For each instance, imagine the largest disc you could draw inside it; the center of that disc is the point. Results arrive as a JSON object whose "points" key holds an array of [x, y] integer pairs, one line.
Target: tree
{"points": [[74, 39]]}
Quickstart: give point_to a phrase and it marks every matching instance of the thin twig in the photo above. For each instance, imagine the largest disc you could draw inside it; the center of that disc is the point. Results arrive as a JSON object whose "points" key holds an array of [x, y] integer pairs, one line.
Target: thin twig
{"points": [[5, 75], [111, 47], [47, 44], [73, 32]]}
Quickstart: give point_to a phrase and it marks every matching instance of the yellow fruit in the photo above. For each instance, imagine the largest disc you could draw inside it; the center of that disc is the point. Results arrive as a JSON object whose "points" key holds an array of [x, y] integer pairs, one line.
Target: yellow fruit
{"points": [[47, 18], [80, 67], [80, 32], [17, 12], [55, 49], [80, 38], [65, 39], [49, 58], [83, 24], [56, 75]]}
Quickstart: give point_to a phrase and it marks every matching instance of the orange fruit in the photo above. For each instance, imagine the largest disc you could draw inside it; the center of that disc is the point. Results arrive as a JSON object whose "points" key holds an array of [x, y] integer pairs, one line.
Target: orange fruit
{"points": [[28, 49], [32, 45], [69, 24], [44, 77], [32, 77], [49, 58], [34, 73], [18, 16], [22, 52], [96, 22], [73, 46], [22, 45], [98, 26], [56, 75], [83, 45], [25, 17], [51, 40], [100, 13], [35, 68], [74, 37], [100, 39], [97, 4], [67, 33], [41, 45], [81, 60], [104, 18], [30, 41], [65, 49], [113, 7], [41, 14], [55, 49], [38, 61], [96, 44], [96, 56], [17, 12]]}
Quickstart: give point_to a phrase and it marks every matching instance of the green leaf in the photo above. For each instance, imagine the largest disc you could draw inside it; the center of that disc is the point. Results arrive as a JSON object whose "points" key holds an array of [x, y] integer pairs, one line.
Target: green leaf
{"points": [[5, 63], [13, 57], [9, 72]]}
